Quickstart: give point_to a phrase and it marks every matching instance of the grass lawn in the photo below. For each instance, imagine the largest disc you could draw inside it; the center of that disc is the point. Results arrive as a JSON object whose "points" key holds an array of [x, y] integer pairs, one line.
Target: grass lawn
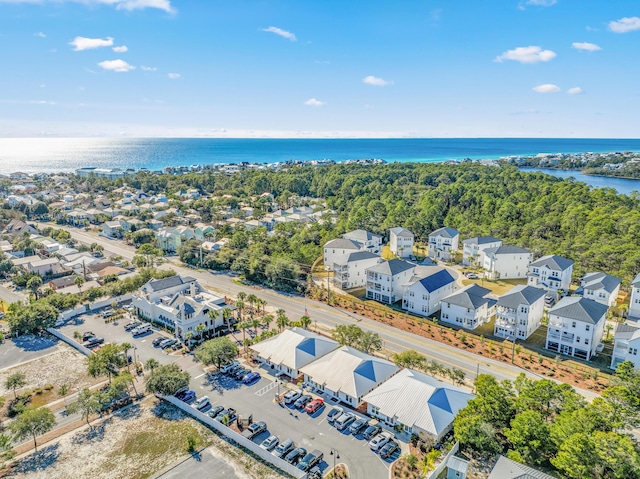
{"points": [[538, 338], [386, 253], [486, 329], [498, 287]]}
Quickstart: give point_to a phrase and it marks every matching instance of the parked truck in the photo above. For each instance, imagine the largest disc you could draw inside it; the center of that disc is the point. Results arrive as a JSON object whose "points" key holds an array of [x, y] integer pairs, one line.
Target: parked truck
{"points": [[310, 460]]}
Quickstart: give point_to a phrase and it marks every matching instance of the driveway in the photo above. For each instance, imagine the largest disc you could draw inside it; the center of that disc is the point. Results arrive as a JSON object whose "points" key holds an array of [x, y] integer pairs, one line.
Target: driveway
{"points": [[200, 466], [14, 351]]}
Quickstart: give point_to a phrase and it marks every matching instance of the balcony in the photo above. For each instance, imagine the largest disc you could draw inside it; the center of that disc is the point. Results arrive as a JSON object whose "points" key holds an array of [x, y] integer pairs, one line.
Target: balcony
{"points": [[567, 338], [340, 268], [554, 336], [510, 325], [555, 324]]}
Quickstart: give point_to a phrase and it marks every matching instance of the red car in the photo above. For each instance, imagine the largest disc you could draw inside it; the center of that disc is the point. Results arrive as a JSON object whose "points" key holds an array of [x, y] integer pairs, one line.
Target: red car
{"points": [[314, 405]]}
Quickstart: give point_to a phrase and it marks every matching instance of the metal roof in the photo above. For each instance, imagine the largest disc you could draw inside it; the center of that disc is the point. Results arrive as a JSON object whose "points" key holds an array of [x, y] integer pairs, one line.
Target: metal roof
{"points": [[392, 267], [446, 232], [507, 469], [554, 262], [343, 244], [521, 294], [361, 236], [596, 281], [472, 297], [506, 249], [400, 231], [481, 240], [580, 309]]}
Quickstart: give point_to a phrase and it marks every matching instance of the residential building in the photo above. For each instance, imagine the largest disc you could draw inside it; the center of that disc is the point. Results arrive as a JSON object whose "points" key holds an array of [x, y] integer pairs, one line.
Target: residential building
{"points": [[170, 239], [600, 287], [519, 312], [424, 291], [352, 273], [551, 273], [19, 227], [468, 308], [109, 173], [113, 229], [472, 249], [336, 251], [506, 262], [634, 302], [576, 326], [46, 267], [386, 281], [401, 242], [291, 350], [348, 374], [508, 469], [417, 403], [626, 344], [443, 244], [371, 242]]}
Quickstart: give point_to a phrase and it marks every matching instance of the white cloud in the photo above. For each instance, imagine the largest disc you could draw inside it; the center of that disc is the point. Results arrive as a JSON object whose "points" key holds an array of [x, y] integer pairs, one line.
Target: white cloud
{"points": [[42, 102], [174, 76], [120, 49], [624, 25], [590, 47], [530, 111], [314, 102], [376, 81], [282, 33], [116, 65], [541, 3], [40, 34], [547, 88], [148, 69], [84, 43], [530, 54], [575, 91], [119, 4]]}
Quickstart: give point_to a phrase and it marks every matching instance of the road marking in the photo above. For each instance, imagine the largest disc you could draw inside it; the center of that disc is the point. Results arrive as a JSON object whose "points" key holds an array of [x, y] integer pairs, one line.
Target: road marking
{"points": [[266, 389], [322, 421], [197, 377]]}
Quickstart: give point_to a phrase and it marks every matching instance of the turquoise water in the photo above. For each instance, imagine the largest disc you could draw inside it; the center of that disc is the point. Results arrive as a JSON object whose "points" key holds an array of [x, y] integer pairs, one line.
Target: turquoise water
{"points": [[621, 185]]}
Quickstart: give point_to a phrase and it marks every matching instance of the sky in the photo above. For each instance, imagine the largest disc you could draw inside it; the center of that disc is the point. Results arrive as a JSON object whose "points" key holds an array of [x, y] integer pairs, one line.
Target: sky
{"points": [[268, 68]]}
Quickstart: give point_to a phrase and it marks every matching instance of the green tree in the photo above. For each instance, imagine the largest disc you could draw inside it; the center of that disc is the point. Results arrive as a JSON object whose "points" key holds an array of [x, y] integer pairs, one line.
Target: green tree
{"points": [[369, 342], [15, 381], [151, 364], [227, 314], [107, 361], [281, 319], [34, 284], [87, 404], [200, 328], [305, 322], [472, 430], [267, 320], [165, 380], [32, 422], [218, 351], [409, 359], [529, 436], [79, 281], [347, 334]]}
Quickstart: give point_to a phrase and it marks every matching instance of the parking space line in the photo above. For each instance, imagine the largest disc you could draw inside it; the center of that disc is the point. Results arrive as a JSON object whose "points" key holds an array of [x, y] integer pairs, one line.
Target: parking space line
{"points": [[197, 377]]}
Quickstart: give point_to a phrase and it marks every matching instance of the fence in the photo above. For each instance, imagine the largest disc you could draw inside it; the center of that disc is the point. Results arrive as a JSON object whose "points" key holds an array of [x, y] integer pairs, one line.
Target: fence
{"points": [[72, 313], [69, 341], [443, 465], [238, 438]]}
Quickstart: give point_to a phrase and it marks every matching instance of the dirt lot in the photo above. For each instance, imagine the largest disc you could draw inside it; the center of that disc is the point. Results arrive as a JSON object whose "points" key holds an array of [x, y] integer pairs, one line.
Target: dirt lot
{"points": [[135, 443]]}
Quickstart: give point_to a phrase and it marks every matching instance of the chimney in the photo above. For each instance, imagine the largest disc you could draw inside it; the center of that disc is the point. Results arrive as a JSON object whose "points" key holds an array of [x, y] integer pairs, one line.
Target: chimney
{"points": [[193, 289]]}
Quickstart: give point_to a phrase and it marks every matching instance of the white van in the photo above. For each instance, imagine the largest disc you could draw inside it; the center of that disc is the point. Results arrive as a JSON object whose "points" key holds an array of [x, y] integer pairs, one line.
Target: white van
{"points": [[145, 328]]}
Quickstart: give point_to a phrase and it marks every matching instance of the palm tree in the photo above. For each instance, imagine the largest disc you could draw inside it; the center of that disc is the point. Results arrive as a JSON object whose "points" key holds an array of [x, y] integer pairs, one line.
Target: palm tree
{"points": [[199, 329], [241, 296], [267, 320], [34, 284], [152, 364], [79, 281], [281, 320], [244, 325], [305, 322], [255, 323], [252, 299], [240, 307], [188, 337], [213, 314], [261, 303], [226, 315]]}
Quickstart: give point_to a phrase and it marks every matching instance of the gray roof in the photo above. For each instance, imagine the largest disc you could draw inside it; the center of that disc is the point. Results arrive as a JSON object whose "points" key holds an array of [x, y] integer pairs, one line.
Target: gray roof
{"points": [[361, 235], [521, 294], [342, 243], [597, 281], [400, 231], [507, 469], [472, 297], [554, 262], [392, 267], [446, 232], [159, 284], [506, 249], [636, 281], [481, 240], [360, 255], [627, 332], [580, 309]]}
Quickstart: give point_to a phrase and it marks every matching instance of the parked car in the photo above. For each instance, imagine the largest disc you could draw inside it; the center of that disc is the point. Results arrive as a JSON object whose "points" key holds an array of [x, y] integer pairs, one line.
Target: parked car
{"points": [[240, 373], [214, 411], [168, 343], [181, 392], [371, 432], [142, 329], [93, 342], [302, 401], [251, 377], [357, 426], [107, 313], [232, 370], [314, 405], [230, 414], [334, 414], [310, 460], [292, 396], [201, 403], [283, 448], [86, 336], [472, 276], [177, 345], [188, 396], [254, 429], [270, 442], [156, 342], [388, 449], [344, 421], [228, 367], [294, 456], [132, 325], [379, 441]]}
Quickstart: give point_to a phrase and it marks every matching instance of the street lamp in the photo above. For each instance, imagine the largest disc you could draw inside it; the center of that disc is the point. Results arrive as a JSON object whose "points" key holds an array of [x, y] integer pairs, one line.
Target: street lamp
{"points": [[336, 455]]}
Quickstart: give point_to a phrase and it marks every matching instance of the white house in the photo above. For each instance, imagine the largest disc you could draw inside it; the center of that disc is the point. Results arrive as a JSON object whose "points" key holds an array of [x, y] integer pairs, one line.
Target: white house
{"points": [[347, 374], [336, 251], [507, 468], [443, 244], [352, 273], [519, 312], [386, 281], [634, 303], [576, 327], [113, 229], [418, 403], [473, 248], [372, 242], [626, 344], [468, 308], [600, 287], [401, 242], [506, 262], [551, 273], [426, 288], [291, 350]]}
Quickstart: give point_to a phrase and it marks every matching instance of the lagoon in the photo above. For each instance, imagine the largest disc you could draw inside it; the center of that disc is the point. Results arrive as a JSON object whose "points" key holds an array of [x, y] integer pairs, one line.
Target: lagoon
{"points": [[622, 185]]}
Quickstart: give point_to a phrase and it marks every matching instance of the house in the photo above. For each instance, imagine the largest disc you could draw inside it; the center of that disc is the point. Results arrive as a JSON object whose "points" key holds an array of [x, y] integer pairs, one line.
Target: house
{"points": [[386, 281], [443, 244], [634, 302], [113, 229], [600, 287], [371, 242], [352, 273], [45, 267], [508, 469], [473, 248], [626, 344], [401, 242], [203, 231], [60, 283], [76, 217], [130, 224], [48, 245], [468, 308], [180, 304], [506, 262], [576, 326], [417, 403], [336, 251], [19, 227], [5, 246], [551, 273], [292, 349], [424, 291], [170, 239], [348, 374], [519, 312], [75, 289]]}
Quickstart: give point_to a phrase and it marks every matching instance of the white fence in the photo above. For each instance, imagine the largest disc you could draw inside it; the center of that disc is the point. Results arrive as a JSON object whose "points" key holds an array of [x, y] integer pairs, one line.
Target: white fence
{"points": [[443, 465], [238, 438], [85, 308], [70, 341]]}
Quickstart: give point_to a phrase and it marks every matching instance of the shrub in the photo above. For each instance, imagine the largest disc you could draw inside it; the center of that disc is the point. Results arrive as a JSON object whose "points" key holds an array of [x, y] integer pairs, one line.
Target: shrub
{"points": [[37, 391], [48, 387]]}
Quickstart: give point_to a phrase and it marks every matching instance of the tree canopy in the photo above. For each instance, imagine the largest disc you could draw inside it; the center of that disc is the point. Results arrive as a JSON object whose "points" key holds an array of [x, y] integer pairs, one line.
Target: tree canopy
{"points": [[166, 380], [218, 351]]}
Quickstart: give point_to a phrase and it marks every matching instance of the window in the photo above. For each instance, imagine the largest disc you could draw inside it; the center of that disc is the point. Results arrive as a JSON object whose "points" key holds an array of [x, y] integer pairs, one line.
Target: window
{"points": [[445, 315], [588, 327], [578, 339], [523, 309], [425, 309], [586, 341], [573, 324]]}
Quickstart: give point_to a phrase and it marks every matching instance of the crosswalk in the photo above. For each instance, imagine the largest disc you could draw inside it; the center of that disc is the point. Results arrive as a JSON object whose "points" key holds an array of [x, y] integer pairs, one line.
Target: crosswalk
{"points": [[266, 389]]}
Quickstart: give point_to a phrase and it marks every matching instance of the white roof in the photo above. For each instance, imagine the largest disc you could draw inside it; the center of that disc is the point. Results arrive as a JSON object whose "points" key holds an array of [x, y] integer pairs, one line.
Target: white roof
{"points": [[416, 399], [294, 348], [350, 371]]}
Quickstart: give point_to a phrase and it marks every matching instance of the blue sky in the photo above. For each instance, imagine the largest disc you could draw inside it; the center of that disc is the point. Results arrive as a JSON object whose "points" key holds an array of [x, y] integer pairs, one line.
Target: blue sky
{"points": [[463, 68]]}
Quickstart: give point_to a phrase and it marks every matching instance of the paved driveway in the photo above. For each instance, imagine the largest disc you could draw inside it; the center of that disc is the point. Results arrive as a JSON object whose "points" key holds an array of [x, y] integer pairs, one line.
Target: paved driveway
{"points": [[203, 465], [14, 351]]}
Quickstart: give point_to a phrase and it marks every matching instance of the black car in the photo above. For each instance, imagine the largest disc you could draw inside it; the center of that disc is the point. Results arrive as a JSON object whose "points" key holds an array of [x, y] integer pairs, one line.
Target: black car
{"points": [[156, 342], [240, 373], [87, 336], [294, 456], [388, 449], [371, 432], [302, 401], [93, 342]]}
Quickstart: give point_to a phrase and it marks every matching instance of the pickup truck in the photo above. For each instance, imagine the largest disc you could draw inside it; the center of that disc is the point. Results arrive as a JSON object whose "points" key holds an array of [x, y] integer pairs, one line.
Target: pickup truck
{"points": [[230, 414], [310, 460], [255, 429]]}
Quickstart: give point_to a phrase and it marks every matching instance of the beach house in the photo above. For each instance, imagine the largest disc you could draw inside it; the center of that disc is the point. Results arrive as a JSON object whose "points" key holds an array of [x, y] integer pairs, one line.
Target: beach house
{"points": [[401, 242], [473, 248], [551, 273], [424, 291], [468, 308], [519, 312], [443, 244]]}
